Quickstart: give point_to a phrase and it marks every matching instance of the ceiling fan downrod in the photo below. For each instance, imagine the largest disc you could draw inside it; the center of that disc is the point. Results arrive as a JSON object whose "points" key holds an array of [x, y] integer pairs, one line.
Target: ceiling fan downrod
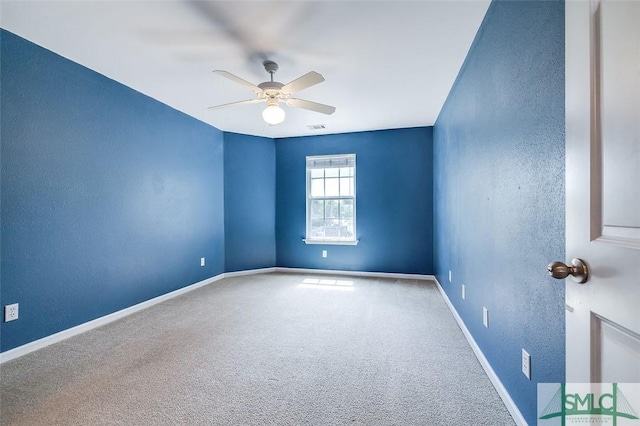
{"points": [[271, 67]]}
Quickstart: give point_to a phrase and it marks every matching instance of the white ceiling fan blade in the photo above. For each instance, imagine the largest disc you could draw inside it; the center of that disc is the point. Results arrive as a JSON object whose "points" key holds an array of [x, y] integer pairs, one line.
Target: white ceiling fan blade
{"points": [[239, 80], [247, 102], [311, 106], [300, 83]]}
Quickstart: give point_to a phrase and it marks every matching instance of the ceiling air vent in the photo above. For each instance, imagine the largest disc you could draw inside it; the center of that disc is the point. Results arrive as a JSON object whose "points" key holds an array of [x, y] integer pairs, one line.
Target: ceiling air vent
{"points": [[316, 126]]}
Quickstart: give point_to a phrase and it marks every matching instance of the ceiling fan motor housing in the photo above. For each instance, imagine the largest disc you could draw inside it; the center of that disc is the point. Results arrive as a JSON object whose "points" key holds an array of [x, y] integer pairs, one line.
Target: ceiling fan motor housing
{"points": [[270, 85]]}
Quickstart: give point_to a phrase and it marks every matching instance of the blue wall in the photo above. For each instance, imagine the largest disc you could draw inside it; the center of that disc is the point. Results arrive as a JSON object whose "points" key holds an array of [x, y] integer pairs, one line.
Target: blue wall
{"points": [[499, 190], [394, 201], [109, 198], [250, 202]]}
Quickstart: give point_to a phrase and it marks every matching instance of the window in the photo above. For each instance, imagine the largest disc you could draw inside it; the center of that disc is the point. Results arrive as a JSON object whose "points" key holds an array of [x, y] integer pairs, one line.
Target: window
{"points": [[331, 199]]}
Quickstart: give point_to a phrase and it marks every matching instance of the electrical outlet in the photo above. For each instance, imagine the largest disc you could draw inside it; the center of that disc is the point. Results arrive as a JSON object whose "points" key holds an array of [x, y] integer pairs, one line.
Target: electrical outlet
{"points": [[11, 312], [464, 292], [526, 364], [485, 316], [449, 275], [324, 253], [202, 261]]}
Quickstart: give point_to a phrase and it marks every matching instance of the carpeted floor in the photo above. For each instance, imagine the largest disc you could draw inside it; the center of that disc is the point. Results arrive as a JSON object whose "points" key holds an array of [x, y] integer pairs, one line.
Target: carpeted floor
{"points": [[271, 349]]}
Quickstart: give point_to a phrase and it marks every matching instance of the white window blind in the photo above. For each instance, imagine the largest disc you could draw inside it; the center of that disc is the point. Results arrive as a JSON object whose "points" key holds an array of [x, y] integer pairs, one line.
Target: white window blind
{"points": [[327, 162]]}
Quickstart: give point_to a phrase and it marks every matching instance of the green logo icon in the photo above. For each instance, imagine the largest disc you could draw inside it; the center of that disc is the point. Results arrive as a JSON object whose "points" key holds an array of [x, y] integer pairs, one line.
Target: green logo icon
{"points": [[580, 402]]}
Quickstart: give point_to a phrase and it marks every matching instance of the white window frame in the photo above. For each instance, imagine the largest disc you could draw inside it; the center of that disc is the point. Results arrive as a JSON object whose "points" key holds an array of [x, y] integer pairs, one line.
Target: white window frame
{"points": [[344, 158]]}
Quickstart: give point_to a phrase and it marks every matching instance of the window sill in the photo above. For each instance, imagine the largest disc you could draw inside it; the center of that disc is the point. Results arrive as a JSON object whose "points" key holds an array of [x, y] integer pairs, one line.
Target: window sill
{"points": [[332, 242]]}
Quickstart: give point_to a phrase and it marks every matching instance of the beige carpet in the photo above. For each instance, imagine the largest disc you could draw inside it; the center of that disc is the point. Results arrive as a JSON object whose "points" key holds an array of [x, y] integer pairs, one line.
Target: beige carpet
{"points": [[271, 349]]}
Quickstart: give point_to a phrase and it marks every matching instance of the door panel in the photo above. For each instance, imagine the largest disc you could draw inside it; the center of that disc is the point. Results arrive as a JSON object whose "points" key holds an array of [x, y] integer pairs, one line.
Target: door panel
{"points": [[603, 195], [613, 349], [620, 124]]}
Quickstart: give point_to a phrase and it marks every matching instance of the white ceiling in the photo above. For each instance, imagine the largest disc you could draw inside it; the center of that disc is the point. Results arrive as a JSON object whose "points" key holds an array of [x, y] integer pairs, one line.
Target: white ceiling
{"points": [[387, 64]]}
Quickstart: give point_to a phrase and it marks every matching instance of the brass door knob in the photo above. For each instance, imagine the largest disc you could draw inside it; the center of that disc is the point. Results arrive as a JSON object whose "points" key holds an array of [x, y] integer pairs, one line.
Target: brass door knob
{"points": [[578, 270]]}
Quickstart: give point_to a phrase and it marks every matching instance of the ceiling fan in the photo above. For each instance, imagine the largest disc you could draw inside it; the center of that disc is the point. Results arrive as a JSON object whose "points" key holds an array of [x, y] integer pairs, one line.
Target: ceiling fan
{"points": [[273, 92]]}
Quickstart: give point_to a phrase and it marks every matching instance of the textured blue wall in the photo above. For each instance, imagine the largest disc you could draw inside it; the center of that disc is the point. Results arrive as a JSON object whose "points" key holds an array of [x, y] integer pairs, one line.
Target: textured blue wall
{"points": [[250, 202], [394, 204], [109, 198], [499, 190]]}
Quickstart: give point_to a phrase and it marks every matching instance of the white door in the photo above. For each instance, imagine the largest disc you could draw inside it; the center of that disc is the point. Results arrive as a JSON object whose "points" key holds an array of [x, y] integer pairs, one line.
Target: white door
{"points": [[603, 195]]}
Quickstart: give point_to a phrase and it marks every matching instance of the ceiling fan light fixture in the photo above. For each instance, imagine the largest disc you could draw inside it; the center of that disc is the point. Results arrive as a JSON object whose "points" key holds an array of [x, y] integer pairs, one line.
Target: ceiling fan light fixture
{"points": [[273, 114], [274, 92]]}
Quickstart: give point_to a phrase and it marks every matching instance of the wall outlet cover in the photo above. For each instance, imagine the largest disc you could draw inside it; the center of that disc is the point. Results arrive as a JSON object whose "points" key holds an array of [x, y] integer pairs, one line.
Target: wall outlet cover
{"points": [[11, 312], [202, 261], [526, 364], [485, 316]]}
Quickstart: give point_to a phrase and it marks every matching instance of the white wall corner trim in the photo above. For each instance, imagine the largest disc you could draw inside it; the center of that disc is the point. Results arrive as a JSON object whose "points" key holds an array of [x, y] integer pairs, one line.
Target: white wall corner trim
{"points": [[495, 380]]}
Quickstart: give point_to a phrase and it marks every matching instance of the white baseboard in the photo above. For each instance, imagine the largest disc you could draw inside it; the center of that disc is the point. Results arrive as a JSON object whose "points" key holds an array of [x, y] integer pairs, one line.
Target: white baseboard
{"points": [[249, 272], [357, 273], [493, 377], [65, 334], [98, 322]]}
